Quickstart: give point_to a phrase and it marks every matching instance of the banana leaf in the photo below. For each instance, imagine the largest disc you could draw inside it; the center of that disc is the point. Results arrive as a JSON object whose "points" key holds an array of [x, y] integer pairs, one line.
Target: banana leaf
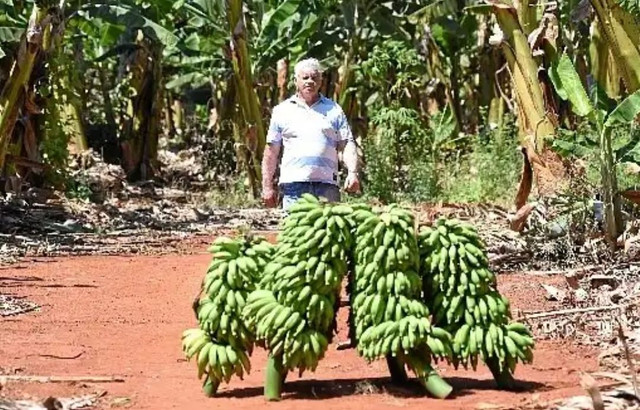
{"points": [[626, 112], [131, 18], [569, 87]]}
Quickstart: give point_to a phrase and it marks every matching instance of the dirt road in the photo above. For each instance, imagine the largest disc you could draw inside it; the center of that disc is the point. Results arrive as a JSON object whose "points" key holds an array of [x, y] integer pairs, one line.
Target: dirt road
{"points": [[123, 316]]}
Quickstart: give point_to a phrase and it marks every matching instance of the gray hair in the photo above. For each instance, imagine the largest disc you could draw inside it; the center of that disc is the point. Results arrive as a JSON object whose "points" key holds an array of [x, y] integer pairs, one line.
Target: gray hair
{"points": [[311, 64]]}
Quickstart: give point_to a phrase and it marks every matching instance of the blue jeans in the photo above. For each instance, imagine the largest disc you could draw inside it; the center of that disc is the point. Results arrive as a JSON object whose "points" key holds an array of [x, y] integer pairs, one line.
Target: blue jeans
{"points": [[291, 192]]}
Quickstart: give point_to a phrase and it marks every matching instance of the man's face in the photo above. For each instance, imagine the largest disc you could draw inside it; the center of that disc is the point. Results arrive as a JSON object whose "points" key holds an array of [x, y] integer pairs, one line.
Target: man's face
{"points": [[308, 83]]}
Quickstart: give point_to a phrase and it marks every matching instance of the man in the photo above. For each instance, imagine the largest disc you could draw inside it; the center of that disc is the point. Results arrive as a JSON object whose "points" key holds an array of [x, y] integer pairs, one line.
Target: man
{"points": [[310, 129]]}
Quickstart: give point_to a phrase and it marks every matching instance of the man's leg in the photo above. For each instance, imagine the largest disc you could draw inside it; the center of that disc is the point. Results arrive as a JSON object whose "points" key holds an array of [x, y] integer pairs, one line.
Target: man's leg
{"points": [[328, 191], [291, 192]]}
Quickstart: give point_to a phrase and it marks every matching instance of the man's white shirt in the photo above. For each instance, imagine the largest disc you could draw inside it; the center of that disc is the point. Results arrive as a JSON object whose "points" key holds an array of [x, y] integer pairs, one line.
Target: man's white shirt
{"points": [[309, 136]]}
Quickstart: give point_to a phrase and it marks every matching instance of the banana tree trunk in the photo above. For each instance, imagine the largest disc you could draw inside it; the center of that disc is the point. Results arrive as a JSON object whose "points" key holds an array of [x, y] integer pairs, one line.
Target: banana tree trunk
{"points": [[612, 205], [435, 68], [77, 97], [283, 77], [12, 95], [142, 126], [526, 11], [621, 31], [109, 112], [345, 72], [254, 135], [72, 88], [603, 63], [534, 115]]}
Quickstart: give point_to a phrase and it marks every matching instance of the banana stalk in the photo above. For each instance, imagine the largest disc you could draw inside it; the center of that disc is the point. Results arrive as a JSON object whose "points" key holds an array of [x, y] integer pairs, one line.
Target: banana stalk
{"points": [[536, 122], [524, 71], [255, 136], [210, 386], [396, 369], [434, 384], [13, 92], [615, 53], [503, 377], [612, 205], [283, 76], [274, 378], [621, 31], [142, 126], [526, 15], [604, 67]]}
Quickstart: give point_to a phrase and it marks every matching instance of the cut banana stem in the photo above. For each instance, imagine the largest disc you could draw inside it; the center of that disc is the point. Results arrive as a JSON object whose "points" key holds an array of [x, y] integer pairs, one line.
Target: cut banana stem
{"points": [[210, 386], [503, 377], [435, 385], [274, 378], [397, 370]]}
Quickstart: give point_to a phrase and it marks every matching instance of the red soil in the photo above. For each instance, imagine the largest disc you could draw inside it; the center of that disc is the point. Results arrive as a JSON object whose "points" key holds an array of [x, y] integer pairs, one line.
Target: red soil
{"points": [[125, 315]]}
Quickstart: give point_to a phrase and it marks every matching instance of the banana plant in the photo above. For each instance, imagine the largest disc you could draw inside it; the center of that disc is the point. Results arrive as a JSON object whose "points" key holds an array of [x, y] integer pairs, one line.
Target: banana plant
{"points": [[451, 41], [619, 27], [536, 111], [569, 87], [147, 33], [17, 93]]}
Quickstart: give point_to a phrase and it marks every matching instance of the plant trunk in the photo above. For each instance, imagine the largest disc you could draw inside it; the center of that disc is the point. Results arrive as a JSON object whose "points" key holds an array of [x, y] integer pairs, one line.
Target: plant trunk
{"points": [[396, 369], [142, 127], [526, 15], [621, 32], [603, 63], [535, 120], [274, 378], [254, 135], [76, 98], [283, 76], [503, 377], [611, 199], [13, 92], [210, 386], [109, 113], [344, 96], [168, 113], [433, 383]]}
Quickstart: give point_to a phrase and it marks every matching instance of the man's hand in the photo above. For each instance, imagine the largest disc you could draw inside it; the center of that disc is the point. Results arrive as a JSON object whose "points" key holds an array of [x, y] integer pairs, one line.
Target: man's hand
{"points": [[352, 183], [270, 197], [269, 164]]}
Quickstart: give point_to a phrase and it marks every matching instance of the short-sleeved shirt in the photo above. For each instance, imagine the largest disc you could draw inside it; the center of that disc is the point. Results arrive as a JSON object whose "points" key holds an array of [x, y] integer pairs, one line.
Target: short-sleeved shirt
{"points": [[309, 136]]}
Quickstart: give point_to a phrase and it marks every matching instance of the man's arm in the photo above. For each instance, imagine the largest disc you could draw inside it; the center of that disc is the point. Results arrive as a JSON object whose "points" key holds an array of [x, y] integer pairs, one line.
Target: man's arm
{"points": [[350, 156], [269, 165], [349, 150], [350, 160]]}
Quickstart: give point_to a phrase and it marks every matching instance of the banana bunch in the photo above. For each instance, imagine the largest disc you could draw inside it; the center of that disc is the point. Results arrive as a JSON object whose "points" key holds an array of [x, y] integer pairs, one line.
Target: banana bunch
{"points": [[461, 291], [223, 342], [389, 317], [219, 361], [293, 312]]}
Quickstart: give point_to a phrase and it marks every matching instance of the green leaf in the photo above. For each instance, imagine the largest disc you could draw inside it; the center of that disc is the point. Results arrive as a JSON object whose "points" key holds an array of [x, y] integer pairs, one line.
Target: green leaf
{"points": [[2, 54], [131, 18], [600, 99], [569, 87], [567, 148], [626, 111], [272, 19], [11, 34], [436, 9], [192, 42], [194, 80], [557, 82], [629, 148]]}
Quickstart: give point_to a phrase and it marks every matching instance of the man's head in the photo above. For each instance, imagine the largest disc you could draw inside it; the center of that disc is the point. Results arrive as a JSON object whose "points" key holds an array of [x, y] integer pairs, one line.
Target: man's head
{"points": [[308, 76]]}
